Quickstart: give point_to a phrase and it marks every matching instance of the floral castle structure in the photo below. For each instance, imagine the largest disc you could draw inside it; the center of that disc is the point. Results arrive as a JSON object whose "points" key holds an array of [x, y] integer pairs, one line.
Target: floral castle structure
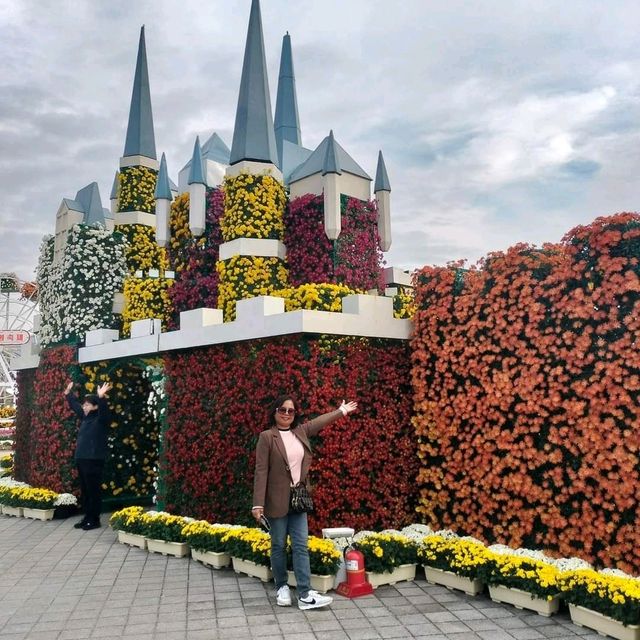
{"points": [[267, 246]]}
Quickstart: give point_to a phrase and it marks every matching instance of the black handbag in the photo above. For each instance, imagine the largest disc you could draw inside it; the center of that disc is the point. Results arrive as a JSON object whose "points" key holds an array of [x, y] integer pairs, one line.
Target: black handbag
{"points": [[300, 499]]}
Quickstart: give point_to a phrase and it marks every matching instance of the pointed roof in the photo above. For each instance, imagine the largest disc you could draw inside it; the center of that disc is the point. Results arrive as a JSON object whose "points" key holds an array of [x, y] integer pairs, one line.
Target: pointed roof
{"points": [[287, 122], [382, 179], [213, 149], [163, 187], [331, 162], [88, 202], [196, 172], [114, 187], [315, 163], [140, 139], [253, 134]]}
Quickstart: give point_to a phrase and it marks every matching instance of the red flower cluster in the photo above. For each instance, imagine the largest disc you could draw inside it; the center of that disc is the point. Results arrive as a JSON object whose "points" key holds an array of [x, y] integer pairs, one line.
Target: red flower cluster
{"points": [[45, 428], [194, 259], [356, 258], [363, 466], [526, 377]]}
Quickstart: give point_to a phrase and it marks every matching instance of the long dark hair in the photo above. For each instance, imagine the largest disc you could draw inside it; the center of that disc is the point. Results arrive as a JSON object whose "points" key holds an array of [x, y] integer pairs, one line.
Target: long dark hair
{"points": [[278, 402]]}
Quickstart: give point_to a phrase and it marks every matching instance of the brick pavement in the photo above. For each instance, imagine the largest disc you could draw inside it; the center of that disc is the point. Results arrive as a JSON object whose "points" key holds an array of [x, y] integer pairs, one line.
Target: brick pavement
{"points": [[59, 583]]}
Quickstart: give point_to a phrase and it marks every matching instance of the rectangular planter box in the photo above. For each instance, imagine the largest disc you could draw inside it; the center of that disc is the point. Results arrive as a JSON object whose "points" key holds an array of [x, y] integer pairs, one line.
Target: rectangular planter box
{"points": [[524, 600], [38, 514], [405, 572], [321, 584], [132, 539], [12, 511], [177, 549], [213, 559], [603, 624], [453, 580], [252, 569]]}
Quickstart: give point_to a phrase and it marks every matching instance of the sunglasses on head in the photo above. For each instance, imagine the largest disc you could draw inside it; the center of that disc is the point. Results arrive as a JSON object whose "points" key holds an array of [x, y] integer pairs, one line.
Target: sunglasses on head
{"points": [[286, 411]]}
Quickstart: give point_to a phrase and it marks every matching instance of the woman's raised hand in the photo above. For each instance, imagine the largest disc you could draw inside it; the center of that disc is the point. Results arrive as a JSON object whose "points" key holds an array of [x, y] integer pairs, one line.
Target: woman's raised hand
{"points": [[348, 407], [104, 389], [68, 388]]}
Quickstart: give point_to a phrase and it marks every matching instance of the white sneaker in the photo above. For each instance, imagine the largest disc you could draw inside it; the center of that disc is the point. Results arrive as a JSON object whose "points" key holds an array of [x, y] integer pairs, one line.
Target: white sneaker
{"points": [[314, 600], [283, 597]]}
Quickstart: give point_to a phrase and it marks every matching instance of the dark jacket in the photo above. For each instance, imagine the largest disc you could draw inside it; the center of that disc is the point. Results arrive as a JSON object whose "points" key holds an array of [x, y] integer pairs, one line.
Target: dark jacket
{"points": [[92, 436]]}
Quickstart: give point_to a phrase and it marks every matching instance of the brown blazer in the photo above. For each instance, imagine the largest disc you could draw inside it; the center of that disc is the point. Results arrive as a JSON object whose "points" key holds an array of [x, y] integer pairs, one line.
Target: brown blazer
{"points": [[272, 480]]}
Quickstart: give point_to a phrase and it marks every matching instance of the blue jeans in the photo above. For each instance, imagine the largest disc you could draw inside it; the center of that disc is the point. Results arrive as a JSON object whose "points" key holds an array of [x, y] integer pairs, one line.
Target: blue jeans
{"points": [[294, 524]]}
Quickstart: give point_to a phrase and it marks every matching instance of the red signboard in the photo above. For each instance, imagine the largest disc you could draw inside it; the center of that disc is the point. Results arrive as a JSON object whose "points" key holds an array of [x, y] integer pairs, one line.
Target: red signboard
{"points": [[12, 338]]}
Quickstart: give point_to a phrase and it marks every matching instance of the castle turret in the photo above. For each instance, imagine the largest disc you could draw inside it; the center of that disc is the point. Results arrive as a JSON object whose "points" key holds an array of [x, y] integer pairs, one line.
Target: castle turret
{"points": [[382, 190], [113, 197], [163, 204], [287, 122], [330, 172], [254, 144], [197, 192]]}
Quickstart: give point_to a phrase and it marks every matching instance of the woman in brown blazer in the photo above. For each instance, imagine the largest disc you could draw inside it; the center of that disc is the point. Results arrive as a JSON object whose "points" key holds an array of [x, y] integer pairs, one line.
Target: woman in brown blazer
{"points": [[283, 458]]}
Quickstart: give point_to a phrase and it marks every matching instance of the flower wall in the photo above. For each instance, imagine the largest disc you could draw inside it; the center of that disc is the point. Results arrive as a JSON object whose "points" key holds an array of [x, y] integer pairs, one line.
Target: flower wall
{"points": [[194, 259], [136, 189], [76, 294], [364, 465], [526, 380], [354, 261]]}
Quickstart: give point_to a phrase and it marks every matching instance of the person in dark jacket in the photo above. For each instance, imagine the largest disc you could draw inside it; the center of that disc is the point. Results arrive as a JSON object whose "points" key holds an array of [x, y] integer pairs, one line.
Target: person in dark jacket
{"points": [[91, 450]]}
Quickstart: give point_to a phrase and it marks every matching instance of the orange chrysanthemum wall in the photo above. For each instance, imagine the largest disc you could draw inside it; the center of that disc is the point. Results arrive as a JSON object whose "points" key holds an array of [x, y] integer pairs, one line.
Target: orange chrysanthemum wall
{"points": [[526, 379]]}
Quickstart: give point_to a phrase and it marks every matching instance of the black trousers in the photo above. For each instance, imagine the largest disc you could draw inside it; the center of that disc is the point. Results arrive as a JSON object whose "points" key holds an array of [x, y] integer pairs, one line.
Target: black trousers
{"points": [[91, 487]]}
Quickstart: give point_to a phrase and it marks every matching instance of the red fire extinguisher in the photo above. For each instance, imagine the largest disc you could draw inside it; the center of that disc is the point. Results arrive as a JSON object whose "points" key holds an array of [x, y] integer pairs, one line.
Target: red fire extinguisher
{"points": [[356, 584]]}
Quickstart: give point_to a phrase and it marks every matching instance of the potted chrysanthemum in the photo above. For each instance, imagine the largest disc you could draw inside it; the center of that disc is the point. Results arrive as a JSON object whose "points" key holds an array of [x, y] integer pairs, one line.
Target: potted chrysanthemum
{"points": [[324, 560], [250, 551], [130, 526], [389, 557], [607, 601], [163, 532], [206, 544]]}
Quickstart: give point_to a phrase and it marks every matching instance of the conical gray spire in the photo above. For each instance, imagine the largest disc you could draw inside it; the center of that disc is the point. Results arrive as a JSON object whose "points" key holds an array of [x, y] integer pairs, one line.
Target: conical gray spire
{"points": [[114, 187], [331, 162], [253, 135], [140, 137], [382, 179], [287, 122], [89, 199], [196, 172], [163, 187]]}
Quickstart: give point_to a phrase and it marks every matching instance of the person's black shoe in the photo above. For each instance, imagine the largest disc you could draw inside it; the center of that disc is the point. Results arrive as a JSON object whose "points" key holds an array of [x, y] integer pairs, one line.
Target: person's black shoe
{"points": [[79, 525], [87, 526]]}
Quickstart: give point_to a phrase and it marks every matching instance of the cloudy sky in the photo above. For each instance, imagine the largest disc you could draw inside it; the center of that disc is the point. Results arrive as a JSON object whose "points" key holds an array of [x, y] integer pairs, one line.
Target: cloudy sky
{"points": [[501, 121]]}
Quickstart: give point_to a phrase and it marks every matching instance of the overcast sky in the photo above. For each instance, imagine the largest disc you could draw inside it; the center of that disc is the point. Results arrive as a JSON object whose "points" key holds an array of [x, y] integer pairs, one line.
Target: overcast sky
{"points": [[500, 121]]}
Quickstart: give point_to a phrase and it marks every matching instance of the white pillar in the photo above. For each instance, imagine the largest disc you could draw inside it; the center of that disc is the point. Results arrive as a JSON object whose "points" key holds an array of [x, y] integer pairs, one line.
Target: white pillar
{"points": [[163, 211], [332, 221], [197, 208], [383, 200], [114, 205]]}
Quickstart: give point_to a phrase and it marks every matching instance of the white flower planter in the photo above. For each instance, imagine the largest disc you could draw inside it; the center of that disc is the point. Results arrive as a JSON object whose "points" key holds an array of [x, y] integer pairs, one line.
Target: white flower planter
{"points": [[177, 549], [213, 559], [453, 580], [252, 569], [524, 600], [12, 511], [321, 584], [38, 514], [405, 572], [603, 624], [132, 539]]}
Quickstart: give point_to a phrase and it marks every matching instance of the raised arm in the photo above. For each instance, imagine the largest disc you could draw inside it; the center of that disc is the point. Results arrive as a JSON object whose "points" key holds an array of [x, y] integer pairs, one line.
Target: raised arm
{"points": [[72, 401], [313, 427], [103, 407]]}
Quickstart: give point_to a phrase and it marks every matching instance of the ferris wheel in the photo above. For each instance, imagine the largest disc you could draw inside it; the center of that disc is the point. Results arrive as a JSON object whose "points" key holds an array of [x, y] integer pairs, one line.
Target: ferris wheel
{"points": [[18, 306]]}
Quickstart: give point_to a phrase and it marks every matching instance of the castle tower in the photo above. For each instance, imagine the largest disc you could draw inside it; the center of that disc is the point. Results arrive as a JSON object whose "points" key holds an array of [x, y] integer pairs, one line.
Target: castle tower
{"points": [[163, 197], [330, 187], [287, 122], [382, 190], [197, 192], [139, 161]]}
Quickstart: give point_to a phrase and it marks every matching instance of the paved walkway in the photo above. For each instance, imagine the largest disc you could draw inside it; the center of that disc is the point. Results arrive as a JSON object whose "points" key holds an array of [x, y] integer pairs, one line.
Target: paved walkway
{"points": [[60, 583]]}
